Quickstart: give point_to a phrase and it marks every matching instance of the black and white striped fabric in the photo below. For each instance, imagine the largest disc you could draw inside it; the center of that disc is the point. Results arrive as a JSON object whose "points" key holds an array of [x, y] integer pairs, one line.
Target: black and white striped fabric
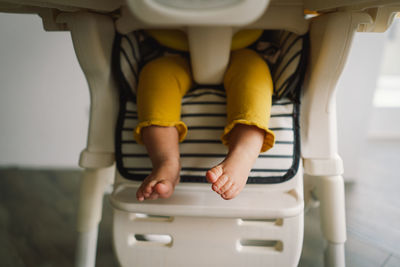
{"points": [[204, 112], [287, 72]]}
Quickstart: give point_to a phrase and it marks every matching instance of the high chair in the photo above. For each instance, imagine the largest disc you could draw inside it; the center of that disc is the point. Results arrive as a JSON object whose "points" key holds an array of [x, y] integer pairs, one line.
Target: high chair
{"points": [[263, 226], [263, 223]]}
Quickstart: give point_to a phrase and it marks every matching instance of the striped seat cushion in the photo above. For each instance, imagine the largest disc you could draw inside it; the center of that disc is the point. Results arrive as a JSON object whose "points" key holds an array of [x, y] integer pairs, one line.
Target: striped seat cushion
{"points": [[203, 111]]}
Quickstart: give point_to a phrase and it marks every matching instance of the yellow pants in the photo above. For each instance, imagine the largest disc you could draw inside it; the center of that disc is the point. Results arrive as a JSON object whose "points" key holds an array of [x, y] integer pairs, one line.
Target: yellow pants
{"points": [[248, 85]]}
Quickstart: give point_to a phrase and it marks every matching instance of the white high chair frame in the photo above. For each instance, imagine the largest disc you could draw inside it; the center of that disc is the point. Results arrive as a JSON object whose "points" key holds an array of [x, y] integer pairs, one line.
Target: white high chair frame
{"points": [[92, 28]]}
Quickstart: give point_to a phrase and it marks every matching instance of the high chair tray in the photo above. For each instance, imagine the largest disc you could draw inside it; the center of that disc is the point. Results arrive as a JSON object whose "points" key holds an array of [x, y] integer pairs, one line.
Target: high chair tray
{"points": [[258, 201]]}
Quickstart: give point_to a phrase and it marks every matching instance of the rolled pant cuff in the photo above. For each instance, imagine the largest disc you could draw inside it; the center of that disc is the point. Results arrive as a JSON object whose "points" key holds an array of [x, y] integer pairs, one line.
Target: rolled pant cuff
{"points": [[269, 138], [180, 126]]}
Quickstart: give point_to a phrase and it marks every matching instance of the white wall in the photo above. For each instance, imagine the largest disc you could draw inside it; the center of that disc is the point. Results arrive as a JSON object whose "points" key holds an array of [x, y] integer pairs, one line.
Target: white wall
{"points": [[44, 100], [355, 92], [385, 119]]}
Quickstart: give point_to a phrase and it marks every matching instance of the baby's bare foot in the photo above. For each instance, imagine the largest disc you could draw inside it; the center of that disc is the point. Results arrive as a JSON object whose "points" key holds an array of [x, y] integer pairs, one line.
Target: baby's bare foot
{"points": [[229, 177], [161, 182]]}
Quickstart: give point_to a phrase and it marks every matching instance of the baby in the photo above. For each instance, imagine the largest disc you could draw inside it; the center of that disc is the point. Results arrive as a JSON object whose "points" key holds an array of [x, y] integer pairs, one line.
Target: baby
{"points": [[162, 84]]}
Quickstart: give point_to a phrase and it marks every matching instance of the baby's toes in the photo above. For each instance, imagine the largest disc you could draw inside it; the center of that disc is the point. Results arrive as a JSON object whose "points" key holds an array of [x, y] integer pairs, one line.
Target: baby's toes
{"points": [[164, 189], [140, 193], [232, 192], [213, 174], [147, 190], [226, 187], [154, 195], [220, 183]]}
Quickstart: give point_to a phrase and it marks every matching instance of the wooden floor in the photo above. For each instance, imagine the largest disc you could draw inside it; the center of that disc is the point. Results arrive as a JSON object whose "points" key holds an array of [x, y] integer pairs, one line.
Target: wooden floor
{"points": [[38, 214]]}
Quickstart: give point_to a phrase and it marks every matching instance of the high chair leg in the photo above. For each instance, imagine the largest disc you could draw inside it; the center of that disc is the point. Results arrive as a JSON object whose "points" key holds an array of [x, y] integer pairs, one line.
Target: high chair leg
{"points": [[330, 191], [334, 255], [94, 183], [326, 179], [85, 254]]}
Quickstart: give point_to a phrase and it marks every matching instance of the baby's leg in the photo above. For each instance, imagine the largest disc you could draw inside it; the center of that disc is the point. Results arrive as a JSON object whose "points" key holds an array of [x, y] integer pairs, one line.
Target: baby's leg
{"points": [[162, 84], [248, 86]]}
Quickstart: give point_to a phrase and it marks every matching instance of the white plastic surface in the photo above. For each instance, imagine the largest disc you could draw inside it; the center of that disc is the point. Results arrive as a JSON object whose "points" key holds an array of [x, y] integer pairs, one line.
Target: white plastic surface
{"points": [[198, 13], [209, 53], [334, 255], [278, 16], [86, 248], [383, 17], [93, 185], [329, 166], [255, 201], [96, 159], [263, 226], [201, 241], [330, 192]]}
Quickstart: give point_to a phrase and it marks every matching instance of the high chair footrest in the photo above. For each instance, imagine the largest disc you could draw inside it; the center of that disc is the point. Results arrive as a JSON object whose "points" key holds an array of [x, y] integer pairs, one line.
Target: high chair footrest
{"points": [[199, 200]]}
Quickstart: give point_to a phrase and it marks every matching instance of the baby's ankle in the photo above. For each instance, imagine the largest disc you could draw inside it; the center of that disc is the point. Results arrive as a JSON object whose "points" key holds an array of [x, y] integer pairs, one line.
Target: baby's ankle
{"points": [[167, 162]]}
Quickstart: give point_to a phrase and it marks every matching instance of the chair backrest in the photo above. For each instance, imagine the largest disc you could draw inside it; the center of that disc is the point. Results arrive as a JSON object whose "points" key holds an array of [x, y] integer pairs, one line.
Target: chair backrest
{"points": [[203, 110]]}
